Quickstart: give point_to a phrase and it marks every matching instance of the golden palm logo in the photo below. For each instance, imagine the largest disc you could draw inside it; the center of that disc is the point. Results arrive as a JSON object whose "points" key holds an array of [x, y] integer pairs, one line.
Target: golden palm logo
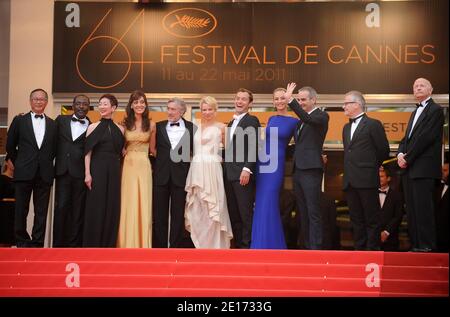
{"points": [[189, 22]]}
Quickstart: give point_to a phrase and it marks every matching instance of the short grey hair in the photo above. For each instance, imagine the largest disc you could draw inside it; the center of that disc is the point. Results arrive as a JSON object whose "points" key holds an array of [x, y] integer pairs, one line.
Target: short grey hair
{"points": [[179, 102], [312, 93], [358, 97]]}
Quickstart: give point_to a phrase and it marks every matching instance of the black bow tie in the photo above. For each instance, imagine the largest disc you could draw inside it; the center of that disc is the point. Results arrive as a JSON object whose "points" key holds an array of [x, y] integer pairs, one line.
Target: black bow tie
{"points": [[174, 124], [418, 105], [40, 116], [78, 120], [354, 119], [382, 192]]}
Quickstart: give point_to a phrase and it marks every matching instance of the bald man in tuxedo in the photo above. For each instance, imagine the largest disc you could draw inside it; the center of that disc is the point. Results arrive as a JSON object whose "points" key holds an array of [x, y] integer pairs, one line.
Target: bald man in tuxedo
{"points": [[419, 156]]}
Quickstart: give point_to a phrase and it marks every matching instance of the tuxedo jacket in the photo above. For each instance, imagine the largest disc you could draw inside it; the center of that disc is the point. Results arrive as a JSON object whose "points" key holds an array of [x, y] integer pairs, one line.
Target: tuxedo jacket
{"points": [[166, 169], [23, 150], [241, 152], [69, 152], [392, 214], [364, 153], [423, 149], [309, 137]]}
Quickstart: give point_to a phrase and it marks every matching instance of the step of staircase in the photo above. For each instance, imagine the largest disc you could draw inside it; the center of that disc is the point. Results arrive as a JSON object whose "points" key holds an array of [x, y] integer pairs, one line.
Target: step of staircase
{"points": [[219, 273]]}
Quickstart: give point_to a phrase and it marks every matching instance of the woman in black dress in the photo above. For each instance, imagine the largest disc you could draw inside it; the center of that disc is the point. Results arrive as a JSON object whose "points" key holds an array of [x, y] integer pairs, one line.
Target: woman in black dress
{"points": [[103, 150]]}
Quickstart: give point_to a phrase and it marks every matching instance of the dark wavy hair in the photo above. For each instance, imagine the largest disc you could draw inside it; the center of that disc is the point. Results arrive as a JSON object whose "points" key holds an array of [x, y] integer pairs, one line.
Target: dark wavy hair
{"points": [[130, 119]]}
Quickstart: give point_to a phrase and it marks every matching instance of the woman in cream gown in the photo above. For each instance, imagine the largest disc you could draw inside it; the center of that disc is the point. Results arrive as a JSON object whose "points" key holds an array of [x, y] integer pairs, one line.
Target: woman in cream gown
{"points": [[135, 229], [206, 213]]}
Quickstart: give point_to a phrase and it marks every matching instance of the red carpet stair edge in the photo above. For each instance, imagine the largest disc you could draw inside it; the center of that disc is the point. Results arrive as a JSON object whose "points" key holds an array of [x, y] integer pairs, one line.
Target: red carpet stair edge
{"points": [[219, 273]]}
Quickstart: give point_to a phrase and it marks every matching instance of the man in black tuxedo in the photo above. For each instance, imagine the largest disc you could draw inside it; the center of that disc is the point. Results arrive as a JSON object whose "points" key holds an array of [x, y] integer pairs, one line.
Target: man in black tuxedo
{"points": [[419, 156], [239, 168], [70, 189], [309, 138], [174, 148], [31, 144], [391, 203], [365, 149], [442, 222]]}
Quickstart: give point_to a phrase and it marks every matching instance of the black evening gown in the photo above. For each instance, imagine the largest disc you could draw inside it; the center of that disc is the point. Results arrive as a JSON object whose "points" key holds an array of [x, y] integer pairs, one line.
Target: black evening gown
{"points": [[102, 213]]}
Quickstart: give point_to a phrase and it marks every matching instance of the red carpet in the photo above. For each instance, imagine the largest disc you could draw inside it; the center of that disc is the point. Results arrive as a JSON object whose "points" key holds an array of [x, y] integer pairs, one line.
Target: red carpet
{"points": [[220, 273]]}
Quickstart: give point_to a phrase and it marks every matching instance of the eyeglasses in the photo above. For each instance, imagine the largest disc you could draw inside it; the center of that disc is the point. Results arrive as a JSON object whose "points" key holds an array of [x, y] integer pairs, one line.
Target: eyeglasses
{"points": [[349, 102], [39, 99]]}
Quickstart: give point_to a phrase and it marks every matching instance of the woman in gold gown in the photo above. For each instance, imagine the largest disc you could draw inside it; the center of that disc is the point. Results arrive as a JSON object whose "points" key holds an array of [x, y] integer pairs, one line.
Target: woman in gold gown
{"points": [[135, 229]]}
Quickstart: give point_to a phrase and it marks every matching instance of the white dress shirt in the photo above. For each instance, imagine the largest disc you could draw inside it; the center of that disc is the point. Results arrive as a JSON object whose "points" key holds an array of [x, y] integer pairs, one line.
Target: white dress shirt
{"points": [[417, 115], [355, 125], [383, 196], [235, 123], [175, 133], [38, 128], [78, 128]]}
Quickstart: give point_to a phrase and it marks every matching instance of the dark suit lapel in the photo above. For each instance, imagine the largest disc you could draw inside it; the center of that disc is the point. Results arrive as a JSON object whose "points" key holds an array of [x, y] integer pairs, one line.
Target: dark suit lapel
{"points": [[346, 135], [422, 117], [29, 125], [46, 133], [67, 128], [387, 202], [228, 140], [240, 124], [359, 128], [297, 131], [163, 131], [411, 119]]}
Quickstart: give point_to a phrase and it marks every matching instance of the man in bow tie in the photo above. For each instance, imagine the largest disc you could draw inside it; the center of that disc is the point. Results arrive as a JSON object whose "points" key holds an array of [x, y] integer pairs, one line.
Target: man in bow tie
{"points": [[391, 203], [70, 189], [419, 156], [365, 148], [174, 149], [30, 144], [240, 168]]}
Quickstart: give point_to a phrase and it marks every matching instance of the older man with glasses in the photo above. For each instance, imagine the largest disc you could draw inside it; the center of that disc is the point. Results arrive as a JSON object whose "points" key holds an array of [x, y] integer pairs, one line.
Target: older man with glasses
{"points": [[365, 149], [30, 145]]}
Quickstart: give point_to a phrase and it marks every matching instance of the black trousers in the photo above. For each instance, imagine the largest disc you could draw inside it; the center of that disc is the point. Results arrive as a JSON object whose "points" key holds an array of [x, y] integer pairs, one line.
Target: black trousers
{"points": [[420, 211], [307, 189], [70, 200], [163, 196], [240, 201], [41, 195], [365, 215]]}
